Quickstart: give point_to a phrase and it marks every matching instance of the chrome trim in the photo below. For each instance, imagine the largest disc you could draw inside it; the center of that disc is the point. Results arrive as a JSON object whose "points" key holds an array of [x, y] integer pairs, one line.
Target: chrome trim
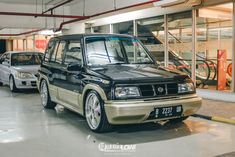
{"points": [[166, 89]]}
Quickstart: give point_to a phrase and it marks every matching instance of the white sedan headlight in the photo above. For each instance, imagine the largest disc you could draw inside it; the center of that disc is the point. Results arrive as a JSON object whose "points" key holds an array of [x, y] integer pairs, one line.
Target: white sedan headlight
{"points": [[126, 92], [186, 88], [24, 75]]}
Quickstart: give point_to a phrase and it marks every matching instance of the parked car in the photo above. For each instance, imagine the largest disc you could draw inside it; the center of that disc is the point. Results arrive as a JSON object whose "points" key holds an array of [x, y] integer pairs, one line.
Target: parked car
{"points": [[19, 69], [113, 79]]}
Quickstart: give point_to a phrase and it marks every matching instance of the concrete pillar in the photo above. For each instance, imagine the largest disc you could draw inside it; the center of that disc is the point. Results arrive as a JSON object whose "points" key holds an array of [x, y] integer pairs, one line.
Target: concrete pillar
{"points": [[166, 53], [194, 44]]}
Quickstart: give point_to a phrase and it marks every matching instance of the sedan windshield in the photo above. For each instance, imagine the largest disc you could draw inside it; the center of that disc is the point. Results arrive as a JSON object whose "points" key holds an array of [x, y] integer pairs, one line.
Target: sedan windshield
{"points": [[19, 59], [116, 50]]}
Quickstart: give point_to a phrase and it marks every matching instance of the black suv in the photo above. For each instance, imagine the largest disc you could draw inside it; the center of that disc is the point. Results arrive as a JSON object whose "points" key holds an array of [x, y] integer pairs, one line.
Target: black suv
{"points": [[113, 79]]}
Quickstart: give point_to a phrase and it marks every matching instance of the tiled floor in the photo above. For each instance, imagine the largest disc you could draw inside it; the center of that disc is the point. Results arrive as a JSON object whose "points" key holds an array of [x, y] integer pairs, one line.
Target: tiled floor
{"points": [[27, 130]]}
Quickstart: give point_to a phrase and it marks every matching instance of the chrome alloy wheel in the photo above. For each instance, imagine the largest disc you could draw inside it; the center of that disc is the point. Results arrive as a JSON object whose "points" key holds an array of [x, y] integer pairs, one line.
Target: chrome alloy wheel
{"points": [[93, 111], [44, 93]]}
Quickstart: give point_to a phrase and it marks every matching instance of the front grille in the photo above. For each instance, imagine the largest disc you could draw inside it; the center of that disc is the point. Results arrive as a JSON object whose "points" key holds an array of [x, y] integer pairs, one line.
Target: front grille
{"points": [[155, 90], [146, 90], [172, 88], [33, 83]]}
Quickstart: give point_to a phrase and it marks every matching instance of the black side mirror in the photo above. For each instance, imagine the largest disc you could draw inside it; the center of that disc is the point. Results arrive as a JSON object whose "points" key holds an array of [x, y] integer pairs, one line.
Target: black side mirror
{"points": [[74, 67]]}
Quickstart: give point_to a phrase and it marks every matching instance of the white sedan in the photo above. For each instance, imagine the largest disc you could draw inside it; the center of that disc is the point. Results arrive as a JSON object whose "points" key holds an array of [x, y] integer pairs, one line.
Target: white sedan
{"points": [[19, 69]]}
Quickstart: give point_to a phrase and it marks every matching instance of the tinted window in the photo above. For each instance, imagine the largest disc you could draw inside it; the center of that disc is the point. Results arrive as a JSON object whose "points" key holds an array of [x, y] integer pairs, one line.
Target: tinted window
{"points": [[49, 50], [96, 50], [53, 52], [73, 52], [111, 50], [60, 51]]}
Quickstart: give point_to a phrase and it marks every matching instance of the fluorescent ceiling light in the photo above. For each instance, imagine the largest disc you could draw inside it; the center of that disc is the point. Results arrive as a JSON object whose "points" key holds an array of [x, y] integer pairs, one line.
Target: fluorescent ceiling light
{"points": [[171, 3], [49, 32]]}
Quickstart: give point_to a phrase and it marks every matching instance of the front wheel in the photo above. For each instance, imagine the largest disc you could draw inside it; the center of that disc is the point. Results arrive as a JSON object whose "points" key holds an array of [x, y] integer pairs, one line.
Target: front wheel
{"points": [[45, 96], [95, 113], [12, 85]]}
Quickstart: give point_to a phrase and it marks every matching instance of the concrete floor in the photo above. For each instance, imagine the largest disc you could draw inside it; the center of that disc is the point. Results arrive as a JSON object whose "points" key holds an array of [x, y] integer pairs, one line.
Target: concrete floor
{"points": [[27, 130]]}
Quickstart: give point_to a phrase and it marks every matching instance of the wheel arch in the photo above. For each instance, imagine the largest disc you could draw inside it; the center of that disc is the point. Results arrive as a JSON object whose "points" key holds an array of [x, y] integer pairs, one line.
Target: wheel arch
{"points": [[41, 78], [11, 75], [89, 88]]}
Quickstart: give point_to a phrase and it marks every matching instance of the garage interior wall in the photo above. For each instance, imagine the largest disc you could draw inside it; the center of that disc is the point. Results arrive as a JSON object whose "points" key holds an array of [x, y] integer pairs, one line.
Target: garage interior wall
{"points": [[211, 33]]}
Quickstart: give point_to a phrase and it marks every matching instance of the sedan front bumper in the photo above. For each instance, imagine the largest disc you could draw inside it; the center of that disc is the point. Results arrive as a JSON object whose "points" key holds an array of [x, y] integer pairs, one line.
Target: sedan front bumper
{"points": [[138, 111], [26, 83]]}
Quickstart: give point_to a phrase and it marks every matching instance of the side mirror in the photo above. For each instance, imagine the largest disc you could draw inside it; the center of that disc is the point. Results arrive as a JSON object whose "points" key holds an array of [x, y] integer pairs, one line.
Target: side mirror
{"points": [[74, 67]]}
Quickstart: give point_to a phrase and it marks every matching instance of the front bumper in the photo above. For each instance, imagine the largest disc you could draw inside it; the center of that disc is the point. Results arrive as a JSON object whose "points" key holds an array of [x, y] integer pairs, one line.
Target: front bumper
{"points": [[26, 83], [138, 111]]}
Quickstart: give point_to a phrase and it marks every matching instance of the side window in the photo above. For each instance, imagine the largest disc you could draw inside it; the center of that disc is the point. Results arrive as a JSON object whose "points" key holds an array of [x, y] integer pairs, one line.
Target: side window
{"points": [[53, 53], [8, 56], [73, 52], [60, 51], [49, 50]]}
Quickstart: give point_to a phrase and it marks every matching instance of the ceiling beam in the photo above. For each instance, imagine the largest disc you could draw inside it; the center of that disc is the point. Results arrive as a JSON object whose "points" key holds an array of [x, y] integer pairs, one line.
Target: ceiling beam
{"points": [[39, 15], [24, 33]]}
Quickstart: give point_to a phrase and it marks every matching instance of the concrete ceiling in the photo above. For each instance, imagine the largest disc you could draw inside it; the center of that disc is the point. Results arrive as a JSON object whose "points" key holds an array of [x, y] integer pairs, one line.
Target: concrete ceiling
{"points": [[76, 7]]}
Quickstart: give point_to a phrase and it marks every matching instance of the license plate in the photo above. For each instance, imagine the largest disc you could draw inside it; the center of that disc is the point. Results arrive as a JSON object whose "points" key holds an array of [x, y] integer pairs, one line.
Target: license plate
{"points": [[171, 111]]}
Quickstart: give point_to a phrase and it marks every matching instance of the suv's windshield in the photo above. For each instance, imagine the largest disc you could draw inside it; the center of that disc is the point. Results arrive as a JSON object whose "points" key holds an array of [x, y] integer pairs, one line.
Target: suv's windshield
{"points": [[115, 50], [19, 59]]}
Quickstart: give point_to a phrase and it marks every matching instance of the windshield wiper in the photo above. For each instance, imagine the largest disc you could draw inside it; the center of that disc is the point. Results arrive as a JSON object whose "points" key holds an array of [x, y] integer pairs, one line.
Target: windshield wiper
{"points": [[143, 63], [118, 63]]}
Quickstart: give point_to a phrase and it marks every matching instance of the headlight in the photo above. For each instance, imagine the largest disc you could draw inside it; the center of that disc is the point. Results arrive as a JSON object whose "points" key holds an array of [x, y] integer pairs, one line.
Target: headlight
{"points": [[186, 88], [126, 92], [24, 75]]}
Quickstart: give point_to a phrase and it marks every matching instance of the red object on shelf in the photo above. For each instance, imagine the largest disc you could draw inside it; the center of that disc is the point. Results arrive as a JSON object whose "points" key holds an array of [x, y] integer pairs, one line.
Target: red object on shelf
{"points": [[221, 69], [40, 44]]}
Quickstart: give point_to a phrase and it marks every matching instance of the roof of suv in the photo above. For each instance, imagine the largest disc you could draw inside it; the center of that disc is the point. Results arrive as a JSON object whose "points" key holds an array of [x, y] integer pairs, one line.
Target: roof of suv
{"points": [[79, 36]]}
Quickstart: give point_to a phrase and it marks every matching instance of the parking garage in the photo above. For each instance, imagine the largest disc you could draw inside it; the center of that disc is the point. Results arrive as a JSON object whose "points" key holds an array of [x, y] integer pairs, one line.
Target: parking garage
{"points": [[113, 77]]}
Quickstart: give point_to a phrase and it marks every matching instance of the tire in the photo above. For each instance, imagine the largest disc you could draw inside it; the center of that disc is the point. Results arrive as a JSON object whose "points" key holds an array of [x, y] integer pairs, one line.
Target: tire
{"points": [[95, 114], [12, 85], [45, 96], [178, 120], [1, 84]]}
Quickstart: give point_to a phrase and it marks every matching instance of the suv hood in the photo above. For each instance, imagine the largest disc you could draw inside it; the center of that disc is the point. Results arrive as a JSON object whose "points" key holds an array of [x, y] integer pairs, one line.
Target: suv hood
{"points": [[33, 69], [138, 73]]}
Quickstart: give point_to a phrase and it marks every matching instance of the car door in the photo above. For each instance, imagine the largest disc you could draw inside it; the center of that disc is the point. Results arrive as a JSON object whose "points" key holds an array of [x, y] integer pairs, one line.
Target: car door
{"points": [[70, 81], [47, 67], [5, 68]]}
